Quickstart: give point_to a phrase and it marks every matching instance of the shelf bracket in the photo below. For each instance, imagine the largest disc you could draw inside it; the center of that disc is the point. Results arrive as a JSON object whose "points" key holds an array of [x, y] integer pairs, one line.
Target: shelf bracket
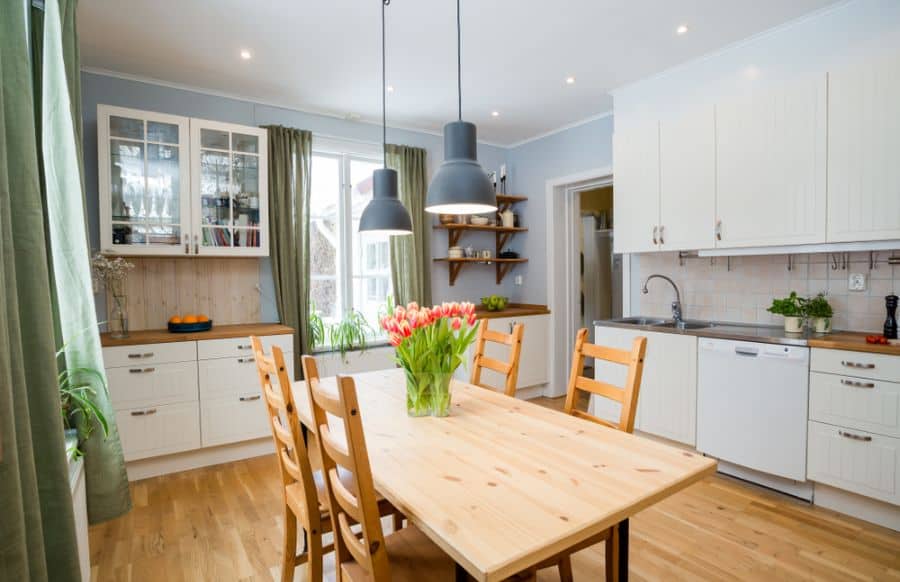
{"points": [[453, 235], [454, 271], [502, 270]]}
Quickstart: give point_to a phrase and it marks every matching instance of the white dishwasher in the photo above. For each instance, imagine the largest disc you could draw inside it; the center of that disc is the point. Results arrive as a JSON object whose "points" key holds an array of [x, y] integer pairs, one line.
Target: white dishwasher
{"points": [[752, 411]]}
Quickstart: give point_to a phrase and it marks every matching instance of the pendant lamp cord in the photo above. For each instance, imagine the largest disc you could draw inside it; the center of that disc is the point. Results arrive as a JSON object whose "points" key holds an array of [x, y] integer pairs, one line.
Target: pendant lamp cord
{"points": [[459, 58], [384, 3]]}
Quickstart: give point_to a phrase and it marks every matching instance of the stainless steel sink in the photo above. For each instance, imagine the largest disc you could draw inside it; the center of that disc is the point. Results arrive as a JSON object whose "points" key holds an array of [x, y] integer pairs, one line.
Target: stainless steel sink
{"points": [[684, 325], [640, 320]]}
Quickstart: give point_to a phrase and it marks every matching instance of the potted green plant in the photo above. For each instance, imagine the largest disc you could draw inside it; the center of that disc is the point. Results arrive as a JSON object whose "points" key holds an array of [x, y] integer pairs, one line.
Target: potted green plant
{"points": [[77, 391], [819, 312], [351, 333], [793, 309]]}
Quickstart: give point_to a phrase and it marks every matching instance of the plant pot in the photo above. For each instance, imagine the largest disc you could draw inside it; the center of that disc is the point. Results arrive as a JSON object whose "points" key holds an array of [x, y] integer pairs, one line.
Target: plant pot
{"points": [[821, 324], [793, 324], [428, 393]]}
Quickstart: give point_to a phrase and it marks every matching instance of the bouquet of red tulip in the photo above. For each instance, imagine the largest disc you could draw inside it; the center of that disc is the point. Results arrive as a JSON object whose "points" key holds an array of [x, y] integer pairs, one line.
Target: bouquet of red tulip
{"points": [[430, 344]]}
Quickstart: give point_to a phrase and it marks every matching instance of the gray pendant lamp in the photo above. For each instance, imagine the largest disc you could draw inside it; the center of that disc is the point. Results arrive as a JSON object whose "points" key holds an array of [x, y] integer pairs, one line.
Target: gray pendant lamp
{"points": [[460, 186], [385, 214]]}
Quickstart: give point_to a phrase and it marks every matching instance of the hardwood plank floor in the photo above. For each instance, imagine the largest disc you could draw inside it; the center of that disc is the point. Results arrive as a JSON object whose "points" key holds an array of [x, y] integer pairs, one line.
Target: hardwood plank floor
{"points": [[224, 523]]}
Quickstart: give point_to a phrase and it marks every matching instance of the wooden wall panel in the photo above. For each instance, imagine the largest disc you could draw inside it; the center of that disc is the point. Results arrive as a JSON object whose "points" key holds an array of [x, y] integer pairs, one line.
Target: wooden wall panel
{"points": [[223, 289]]}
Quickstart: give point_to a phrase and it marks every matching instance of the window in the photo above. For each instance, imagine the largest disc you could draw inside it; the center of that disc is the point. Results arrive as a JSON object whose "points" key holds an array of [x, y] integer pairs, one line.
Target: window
{"points": [[348, 270]]}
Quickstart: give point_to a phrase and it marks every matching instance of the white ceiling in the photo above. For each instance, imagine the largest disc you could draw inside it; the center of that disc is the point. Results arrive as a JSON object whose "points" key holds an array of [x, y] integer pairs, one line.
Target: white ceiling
{"points": [[324, 56]]}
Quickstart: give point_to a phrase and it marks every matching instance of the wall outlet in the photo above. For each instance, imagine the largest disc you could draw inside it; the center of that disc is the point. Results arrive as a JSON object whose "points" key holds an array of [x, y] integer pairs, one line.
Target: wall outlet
{"points": [[856, 282], [518, 280]]}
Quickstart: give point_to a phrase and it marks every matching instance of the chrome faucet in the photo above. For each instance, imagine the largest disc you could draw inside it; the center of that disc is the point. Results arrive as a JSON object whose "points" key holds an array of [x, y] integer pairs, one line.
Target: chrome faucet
{"points": [[676, 305]]}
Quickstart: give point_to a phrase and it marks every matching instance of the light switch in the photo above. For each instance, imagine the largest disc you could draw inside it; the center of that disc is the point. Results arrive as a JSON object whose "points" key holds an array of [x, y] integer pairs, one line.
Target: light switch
{"points": [[857, 282], [518, 280]]}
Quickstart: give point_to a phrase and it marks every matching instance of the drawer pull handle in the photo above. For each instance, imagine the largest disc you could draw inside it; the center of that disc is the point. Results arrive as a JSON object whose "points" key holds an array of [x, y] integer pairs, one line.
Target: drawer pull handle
{"points": [[848, 364], [857, 384], [147, 412], [856, 437], [249, 398], [142, 370], [246, 360], [245, 347], [139, 356]]}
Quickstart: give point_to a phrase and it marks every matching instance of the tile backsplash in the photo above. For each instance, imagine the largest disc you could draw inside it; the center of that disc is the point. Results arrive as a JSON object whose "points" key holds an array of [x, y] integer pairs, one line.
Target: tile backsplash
{"points": [[710, 291]]}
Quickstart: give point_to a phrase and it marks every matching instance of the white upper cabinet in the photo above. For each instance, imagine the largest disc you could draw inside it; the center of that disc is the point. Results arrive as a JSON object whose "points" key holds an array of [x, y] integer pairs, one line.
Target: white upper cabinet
{"points": [[687, 178], [770, 174], [864, 151], [172, 185], [636, 191], [229, 189], [144, 182]]}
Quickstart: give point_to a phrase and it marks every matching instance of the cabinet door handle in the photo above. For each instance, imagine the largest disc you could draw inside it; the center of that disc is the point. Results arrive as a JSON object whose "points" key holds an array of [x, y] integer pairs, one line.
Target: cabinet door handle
{"points": [[249, 398], [246, 360], [857, 384], [245, 347], [147, 412], [856, 437], [655, 230], [849, 364], [718, 230], [141, 370], [139, 356], [661, 229]]}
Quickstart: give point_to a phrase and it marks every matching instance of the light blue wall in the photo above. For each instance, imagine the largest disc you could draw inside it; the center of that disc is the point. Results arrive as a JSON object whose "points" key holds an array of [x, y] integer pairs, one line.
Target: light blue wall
{"points": [[531, 165], [473, 283]]}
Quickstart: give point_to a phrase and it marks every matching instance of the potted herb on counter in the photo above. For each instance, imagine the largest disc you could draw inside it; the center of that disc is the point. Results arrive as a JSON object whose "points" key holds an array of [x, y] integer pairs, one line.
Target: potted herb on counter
{"points": [[819, 312], [793, 309]]}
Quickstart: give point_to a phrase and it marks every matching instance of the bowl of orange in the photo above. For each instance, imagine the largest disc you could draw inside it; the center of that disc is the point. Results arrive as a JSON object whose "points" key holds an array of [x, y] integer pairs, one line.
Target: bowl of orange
{"points": [[189, 323]]}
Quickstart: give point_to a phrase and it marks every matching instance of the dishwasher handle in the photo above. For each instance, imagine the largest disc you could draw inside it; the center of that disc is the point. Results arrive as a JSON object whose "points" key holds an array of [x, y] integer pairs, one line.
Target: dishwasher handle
{"points": [[745, 351]]}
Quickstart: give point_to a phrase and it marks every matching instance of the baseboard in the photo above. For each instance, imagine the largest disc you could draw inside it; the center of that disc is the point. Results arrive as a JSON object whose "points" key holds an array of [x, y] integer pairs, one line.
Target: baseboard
{"points": [[864, 508], [155, 466], [799, 489], [530, 392]]}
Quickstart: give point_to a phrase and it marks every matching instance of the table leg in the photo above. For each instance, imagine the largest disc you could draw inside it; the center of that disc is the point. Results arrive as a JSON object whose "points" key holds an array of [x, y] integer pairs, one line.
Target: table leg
{"points": [[623, 550]]}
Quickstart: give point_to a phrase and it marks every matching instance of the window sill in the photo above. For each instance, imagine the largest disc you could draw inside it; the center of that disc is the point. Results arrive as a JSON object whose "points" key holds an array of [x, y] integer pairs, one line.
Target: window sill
{"points": [[326, 350]]}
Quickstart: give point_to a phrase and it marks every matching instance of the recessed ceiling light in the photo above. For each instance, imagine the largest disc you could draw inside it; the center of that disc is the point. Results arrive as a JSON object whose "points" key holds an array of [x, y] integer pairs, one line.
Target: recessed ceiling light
{"points": [[570, 80], [495, 114], [681, 30], [390, 88], [245, 54]]}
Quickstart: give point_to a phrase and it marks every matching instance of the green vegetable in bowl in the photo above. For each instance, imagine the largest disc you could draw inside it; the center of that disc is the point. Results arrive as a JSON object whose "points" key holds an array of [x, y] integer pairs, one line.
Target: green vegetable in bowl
{"points": [[495, 302]]}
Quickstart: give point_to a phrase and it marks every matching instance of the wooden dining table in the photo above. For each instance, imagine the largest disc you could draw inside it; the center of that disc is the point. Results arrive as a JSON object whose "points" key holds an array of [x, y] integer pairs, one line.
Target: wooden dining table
{"points": [[502, 484]]}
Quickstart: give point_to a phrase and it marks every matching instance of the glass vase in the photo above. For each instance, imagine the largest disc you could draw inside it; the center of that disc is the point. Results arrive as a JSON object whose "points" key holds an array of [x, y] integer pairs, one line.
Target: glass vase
{"points": [[428, 393], [118, 317]]}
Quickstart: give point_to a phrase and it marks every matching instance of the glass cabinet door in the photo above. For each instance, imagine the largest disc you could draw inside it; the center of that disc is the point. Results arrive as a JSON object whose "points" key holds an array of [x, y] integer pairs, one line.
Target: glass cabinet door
{"points": [[143, 182], [230, 189]]}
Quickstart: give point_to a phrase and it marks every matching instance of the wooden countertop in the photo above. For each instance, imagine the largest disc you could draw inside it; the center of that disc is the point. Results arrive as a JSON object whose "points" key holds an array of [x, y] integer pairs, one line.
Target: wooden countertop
{"points": [[512, 310], [855, 341], [161, 336]]}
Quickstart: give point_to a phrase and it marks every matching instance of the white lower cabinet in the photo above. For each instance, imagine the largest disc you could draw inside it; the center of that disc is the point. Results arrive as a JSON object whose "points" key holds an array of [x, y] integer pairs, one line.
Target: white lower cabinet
{"points": [[857, 403], [153, 385], [233, 418], [667, 400], [159, 430], [855, 460]]}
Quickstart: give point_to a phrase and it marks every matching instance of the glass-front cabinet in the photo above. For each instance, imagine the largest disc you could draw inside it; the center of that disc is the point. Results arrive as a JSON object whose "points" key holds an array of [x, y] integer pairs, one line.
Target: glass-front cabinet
{"points": [[173, 185]]}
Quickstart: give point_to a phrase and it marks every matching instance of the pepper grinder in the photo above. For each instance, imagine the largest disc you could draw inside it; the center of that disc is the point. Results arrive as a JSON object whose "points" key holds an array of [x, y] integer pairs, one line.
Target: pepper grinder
{"points": [[890, 324]]}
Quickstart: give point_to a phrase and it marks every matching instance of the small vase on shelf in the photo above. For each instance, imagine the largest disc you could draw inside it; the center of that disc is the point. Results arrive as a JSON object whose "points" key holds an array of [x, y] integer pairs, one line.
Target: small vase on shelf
{"points": [[118, 317]]}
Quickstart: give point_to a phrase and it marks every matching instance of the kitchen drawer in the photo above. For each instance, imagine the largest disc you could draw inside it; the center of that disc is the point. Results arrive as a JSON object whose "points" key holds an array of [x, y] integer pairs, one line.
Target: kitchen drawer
{"points": [[159, 430], [855, 460], [861, 364], [149, 354], [227, 376], [234, 418], [152, 385], [858, 403], [240, 346]]}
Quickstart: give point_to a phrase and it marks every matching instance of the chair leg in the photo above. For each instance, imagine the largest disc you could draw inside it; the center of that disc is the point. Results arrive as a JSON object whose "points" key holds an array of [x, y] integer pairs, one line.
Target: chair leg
{"points": [[565, 569], [314, 564], [612, 555], [397, 520], [289, 550]]}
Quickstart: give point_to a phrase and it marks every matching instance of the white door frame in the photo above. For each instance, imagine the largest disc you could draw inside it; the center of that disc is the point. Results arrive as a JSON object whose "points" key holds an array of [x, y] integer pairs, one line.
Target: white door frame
{"points": [[562, 268]]}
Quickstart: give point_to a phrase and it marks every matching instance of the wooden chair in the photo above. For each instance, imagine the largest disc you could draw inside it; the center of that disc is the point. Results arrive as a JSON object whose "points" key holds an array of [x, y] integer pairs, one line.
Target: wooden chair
{"points": [[627, 396], [509, 369], [405, 555]]}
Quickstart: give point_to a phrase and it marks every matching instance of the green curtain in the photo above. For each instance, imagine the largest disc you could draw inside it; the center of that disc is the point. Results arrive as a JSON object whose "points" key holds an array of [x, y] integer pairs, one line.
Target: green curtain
{"points": [[106, 480], [411, 255], [37, 531], [290, 154]]}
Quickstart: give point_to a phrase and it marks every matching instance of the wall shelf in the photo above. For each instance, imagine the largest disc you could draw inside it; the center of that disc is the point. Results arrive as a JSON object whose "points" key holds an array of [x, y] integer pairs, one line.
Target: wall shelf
{"points": [[455, 230], [502, 265]]}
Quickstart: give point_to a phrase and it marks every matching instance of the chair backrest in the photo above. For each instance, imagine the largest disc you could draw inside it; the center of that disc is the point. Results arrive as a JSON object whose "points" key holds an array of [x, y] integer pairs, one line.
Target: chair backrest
{"points": [[343, 447], [627, 395], [509, 369], [293, 456]]}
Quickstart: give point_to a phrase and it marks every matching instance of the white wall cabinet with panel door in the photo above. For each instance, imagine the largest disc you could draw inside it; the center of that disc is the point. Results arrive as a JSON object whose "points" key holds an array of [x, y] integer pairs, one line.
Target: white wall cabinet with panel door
{"points": [[229, 193], [636, 191], [863, 141], [172, 185], [771, 166], [667, 400], [687, 181]]}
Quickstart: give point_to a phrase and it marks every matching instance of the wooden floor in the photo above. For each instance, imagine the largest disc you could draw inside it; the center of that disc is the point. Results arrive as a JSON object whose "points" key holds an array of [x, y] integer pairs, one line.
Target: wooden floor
{"points": [[224, 523]]}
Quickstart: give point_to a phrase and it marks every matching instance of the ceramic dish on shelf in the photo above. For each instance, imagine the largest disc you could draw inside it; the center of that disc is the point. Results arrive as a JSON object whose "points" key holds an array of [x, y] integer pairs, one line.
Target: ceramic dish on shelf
{"points": [[455, 253], [479, 220], [190, 327]]}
